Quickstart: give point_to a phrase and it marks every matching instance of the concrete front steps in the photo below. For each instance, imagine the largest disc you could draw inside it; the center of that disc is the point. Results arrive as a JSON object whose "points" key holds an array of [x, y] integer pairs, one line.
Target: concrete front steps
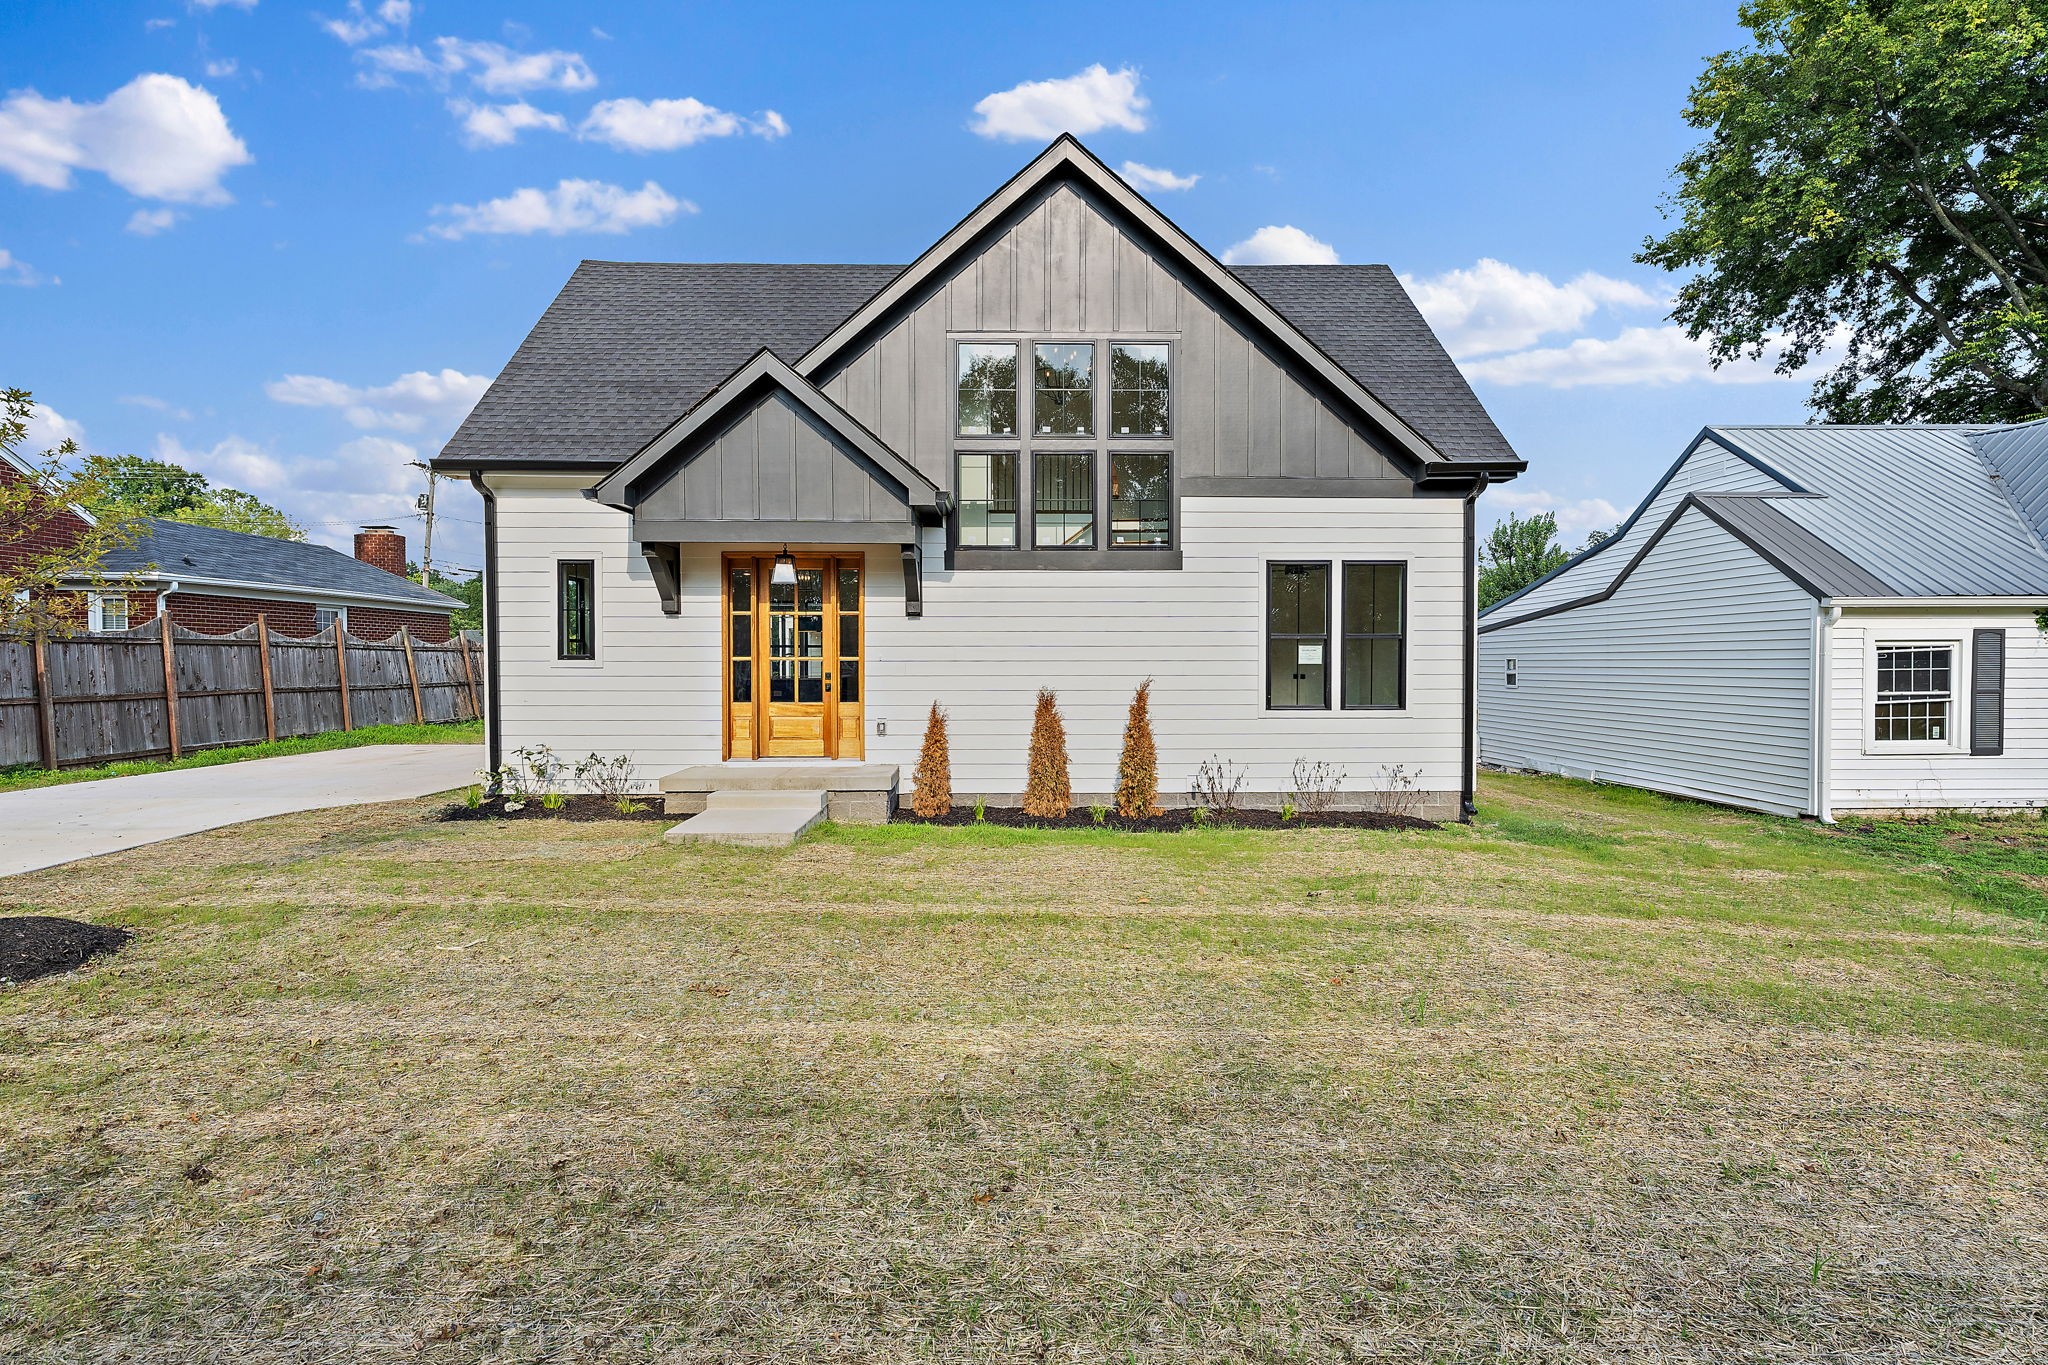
{"points": [[767, 804]]}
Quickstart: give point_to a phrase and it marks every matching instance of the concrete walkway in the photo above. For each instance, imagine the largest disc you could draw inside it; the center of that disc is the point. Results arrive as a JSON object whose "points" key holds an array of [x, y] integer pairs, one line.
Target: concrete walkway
{"points": [[45, 826]]}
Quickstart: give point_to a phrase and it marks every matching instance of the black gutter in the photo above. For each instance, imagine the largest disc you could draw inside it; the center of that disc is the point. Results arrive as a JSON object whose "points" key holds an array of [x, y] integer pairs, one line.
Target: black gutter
{"points": [[1469, 802], [494, 741]]}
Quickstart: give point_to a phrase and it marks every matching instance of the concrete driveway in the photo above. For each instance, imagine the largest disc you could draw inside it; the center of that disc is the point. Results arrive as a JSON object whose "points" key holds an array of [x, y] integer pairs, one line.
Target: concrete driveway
{"points": [[45, 826]]}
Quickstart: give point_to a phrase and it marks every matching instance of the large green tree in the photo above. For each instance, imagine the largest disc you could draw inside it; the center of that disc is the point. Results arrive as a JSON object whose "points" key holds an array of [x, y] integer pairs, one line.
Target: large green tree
{"points": [[144, 487], [1875, 179], [1516, 553]]}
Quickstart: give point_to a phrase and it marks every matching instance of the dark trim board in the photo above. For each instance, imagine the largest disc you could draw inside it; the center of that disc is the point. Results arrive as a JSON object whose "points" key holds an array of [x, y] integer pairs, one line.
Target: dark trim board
{"points": [[494, 726], [1280, 486], [1691, 501], [761, 532], [965, 558]]}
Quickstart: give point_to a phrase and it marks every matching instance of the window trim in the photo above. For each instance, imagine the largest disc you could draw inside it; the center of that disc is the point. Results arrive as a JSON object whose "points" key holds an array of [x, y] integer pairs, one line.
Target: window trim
{"points": [[1958, 696], [1267, 635], [1344, 637], [562, 654], [95, 613]]}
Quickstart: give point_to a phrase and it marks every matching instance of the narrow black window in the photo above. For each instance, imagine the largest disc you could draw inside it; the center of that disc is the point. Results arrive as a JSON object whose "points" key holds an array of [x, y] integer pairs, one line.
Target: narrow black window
{"points": [[988, 389], [1063, 500], [575, 594], [1375, 626], [1140, 506], [988, 499], [1987, 692], [1297, 636]]}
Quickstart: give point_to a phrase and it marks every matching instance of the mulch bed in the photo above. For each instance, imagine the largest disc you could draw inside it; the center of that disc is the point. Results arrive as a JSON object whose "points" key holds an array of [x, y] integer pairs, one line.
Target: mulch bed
{"points": [[43, 945], [1172, 821], [577, 808]]}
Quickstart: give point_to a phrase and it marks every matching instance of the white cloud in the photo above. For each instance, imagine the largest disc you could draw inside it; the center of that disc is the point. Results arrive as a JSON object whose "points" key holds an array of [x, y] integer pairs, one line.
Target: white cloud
{"points": [[1157, 177], [158, 137], [1082, 103], [1280, 246], [154, 404], [420, 399], [1637, 355], [14, 270], [571, 206], [149, 222], [499, 125], [490, 67], [634, 125], [1494, 307], [48, 429], [222, 4], [232, 460], [1575, 517], [360, 25], [225, 66]]}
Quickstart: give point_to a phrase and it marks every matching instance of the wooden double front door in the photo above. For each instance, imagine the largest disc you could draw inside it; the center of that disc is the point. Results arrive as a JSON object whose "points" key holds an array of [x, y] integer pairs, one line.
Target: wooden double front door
{"points": [[793, 676]]}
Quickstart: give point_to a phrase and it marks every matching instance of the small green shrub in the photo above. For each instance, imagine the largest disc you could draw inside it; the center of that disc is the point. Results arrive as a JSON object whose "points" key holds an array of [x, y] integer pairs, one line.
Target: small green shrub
{"points": [[473, 797], [1099, 814], [552, 800]]}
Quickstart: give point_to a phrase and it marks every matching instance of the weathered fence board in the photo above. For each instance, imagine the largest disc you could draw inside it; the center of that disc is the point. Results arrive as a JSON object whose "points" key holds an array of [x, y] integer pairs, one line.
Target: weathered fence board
{"points": [[109, 697]]}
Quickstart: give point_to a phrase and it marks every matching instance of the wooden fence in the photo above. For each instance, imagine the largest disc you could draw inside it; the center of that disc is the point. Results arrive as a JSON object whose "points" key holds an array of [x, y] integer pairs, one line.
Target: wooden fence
{"points": [[160, 690]]}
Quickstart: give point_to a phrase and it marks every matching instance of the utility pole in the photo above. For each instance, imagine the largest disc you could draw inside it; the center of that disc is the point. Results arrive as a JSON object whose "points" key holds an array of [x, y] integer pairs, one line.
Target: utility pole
{"points": [[426, 507]]}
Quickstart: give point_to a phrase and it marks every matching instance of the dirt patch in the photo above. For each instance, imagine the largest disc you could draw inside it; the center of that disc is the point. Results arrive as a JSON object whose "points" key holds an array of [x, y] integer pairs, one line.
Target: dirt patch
{"points": [[43, 945], [577, 808], [1170, 822]]}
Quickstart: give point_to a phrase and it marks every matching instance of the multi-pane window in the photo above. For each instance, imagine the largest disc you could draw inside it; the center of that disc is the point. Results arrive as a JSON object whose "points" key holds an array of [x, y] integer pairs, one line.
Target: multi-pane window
{"points": [[740, 589], [1915, 691], [324, 617], [1063, 499], [1297, 636], [988, 498], [849, 634], [1140, 498], [1063, 389], [988, 389], [1138, 389], [575, 617], [108, 612], [1374, 624]]}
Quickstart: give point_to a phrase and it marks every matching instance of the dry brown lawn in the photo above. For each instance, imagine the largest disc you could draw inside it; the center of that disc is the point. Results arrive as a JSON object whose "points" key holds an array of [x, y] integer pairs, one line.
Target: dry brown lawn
{"points": [[1600, 1078]]}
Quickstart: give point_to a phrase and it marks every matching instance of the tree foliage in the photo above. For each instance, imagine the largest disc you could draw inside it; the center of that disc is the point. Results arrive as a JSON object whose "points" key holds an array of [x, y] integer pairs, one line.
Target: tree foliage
{"points": [[1873, 180], [1137, 769], [468, 591], [931, 794], [1516, 553], [139, 486], [44, 546], [1048, 794]]}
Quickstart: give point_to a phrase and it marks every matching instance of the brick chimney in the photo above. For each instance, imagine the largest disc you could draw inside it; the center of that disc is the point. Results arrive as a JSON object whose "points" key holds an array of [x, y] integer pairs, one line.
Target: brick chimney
{"points": [[383, 547]]}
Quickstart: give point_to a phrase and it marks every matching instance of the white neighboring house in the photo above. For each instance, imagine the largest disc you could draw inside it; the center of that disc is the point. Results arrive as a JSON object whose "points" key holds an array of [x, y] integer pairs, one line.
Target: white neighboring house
{"points": [[1808, 620], [744, 512]]}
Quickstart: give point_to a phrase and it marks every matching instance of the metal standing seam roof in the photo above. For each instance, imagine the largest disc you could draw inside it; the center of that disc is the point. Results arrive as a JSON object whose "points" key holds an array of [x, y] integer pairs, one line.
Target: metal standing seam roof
{"points": [[1760, 519], [209, 552], [628, 347]]}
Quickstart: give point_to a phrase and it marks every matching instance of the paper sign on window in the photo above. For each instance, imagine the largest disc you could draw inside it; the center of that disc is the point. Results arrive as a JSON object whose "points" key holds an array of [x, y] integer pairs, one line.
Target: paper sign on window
{"points": [[1308, 654]]}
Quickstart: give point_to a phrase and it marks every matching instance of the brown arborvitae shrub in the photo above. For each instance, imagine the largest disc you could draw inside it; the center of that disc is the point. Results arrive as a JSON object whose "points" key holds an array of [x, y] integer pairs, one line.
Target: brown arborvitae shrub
{"points": [[1047, 793], [1137, 772], [932, 793]]}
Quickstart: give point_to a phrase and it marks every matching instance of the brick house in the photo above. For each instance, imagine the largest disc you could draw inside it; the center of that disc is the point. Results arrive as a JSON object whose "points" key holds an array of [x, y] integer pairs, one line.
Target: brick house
{"points": [[218, 581]]}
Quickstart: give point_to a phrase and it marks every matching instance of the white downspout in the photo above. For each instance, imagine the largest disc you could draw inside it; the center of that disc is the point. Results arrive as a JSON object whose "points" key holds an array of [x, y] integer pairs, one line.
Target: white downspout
{"points": [[163, 597], [1825, 616]]}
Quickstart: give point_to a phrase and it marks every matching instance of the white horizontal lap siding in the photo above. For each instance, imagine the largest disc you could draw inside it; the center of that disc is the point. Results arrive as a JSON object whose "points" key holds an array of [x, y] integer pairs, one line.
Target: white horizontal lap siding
{"points": [[1712, 468], [1866, 775], [988, 640], [1695, 678]]}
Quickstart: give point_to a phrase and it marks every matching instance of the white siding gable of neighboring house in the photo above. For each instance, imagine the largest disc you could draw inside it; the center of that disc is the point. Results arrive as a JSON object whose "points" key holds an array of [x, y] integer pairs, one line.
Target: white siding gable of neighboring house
{"points": [[1710, 468], [1694, 678]]}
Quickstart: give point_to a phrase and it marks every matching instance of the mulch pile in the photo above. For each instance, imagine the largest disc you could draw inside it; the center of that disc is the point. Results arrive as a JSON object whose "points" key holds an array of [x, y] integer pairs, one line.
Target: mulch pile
{"points": [[43, 945], [1172, 821], [578, 808]]}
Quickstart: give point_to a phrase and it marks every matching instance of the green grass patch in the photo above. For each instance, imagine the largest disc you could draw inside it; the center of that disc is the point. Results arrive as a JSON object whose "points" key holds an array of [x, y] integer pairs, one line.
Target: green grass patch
{"points": [[24, 776], [1999, 862]]}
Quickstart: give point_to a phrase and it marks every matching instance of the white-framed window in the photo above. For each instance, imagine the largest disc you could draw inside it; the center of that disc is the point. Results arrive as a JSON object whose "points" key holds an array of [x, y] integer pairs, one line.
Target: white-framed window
{"points": [[108, 611], [1513, 679], [1915, 694], [323, 617]]}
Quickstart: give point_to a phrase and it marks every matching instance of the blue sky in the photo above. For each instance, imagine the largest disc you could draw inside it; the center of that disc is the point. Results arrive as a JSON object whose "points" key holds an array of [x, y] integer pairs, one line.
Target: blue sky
{"points": [[288, 244]]}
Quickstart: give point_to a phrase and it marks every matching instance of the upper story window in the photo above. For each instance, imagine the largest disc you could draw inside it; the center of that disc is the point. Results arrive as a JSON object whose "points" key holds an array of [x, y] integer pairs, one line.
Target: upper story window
{"points": [[1139, 385], [1915, 692], [988, 498], [988, 389], [1064, 390]]}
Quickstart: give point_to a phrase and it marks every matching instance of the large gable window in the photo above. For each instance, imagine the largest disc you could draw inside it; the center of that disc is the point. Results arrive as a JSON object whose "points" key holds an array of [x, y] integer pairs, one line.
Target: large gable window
{"points": [[1138, 389], [1140, 497], [988, 498], [1915, 693], [1064, 390], [1063, 503], [988, 389]]}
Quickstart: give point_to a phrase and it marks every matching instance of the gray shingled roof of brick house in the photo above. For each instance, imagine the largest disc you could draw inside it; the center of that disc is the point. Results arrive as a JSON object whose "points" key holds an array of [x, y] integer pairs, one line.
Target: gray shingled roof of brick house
{"points": [[205, 552], [628, 347]]}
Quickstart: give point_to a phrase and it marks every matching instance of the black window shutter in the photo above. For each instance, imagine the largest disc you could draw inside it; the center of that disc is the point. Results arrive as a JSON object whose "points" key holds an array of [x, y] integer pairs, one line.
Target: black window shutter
{"points": [[1987, 692]]}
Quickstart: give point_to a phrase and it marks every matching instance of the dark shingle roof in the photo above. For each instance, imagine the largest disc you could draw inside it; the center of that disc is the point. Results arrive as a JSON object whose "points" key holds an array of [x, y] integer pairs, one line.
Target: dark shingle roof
{"points": [[628, 347], [205, 552]]}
